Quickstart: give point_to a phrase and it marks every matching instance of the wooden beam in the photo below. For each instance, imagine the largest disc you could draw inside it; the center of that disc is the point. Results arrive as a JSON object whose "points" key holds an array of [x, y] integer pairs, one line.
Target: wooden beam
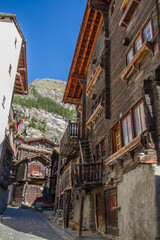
{"points": [[18, 91], [75, 86], [77, 76], [94, 42], [18, 87], [71, 100], [88, 39], [78, 47]]}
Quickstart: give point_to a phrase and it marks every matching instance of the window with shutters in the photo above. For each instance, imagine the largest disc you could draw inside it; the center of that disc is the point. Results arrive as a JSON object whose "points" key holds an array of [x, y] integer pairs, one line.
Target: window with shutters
{"points": [[117, 138], [129, 127], [139, 119], [127, 130]]}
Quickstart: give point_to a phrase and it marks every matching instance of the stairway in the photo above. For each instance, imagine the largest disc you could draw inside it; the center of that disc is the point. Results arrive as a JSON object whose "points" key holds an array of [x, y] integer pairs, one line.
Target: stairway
{"points": [[85, 151]]}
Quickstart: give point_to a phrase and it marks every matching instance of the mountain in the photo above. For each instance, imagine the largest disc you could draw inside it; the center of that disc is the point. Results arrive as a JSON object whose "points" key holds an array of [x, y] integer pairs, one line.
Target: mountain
{"points": [[43, 111]]}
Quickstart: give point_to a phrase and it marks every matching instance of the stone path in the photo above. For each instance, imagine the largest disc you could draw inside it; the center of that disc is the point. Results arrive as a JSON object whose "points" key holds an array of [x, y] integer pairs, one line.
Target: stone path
{"points": [[21, 224]]}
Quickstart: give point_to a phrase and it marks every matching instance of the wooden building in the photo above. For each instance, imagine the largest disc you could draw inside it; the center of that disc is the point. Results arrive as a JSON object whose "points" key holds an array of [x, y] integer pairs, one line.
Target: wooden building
{"points": [[33, 172], [13, 75], [109, 175]]}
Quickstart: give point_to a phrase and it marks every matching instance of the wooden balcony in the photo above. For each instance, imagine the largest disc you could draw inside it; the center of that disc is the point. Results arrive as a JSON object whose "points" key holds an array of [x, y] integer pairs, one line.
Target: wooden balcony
{"points": [[80, 176], [138, 58], [95, 115], [94, 80], [86, 175], [64, 182], [69, 140], [128, 11]]}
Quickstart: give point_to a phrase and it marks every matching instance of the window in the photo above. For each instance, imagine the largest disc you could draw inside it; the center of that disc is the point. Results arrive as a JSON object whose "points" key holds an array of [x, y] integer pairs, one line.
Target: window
{"points": [[127, 130], [146, 33], [138, 44], [129, 56], [117, 138], [139, 119], [128, 8]]}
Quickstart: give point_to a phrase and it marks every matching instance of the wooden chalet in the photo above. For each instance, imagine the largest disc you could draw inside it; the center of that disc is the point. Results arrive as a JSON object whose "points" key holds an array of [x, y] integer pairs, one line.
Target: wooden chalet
{"points": [[34, 172], [108, 173]]}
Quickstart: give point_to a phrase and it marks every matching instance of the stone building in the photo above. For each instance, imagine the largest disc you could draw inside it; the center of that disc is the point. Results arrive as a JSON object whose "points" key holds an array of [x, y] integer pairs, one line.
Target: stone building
{"points": [[109, 175], [33, 172], [13, 75]]}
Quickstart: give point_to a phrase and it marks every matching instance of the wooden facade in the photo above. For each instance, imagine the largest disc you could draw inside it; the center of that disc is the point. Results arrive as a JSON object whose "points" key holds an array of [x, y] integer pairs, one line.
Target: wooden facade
{"points": [[118, 123], [35, 170]]}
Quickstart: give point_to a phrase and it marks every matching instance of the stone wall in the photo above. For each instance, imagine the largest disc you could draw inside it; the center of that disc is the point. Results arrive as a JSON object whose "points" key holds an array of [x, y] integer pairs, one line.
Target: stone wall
{"points": [[88, 211], [136, 197]]}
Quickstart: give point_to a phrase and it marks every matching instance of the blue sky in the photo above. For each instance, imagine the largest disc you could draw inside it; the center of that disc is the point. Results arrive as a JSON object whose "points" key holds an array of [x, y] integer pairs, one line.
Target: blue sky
{"points": [[51, 29]]}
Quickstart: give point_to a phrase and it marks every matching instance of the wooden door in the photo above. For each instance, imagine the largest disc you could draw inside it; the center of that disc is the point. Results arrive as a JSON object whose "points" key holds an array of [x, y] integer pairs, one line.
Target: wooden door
{"points": [[99, 211], [111, 213]]}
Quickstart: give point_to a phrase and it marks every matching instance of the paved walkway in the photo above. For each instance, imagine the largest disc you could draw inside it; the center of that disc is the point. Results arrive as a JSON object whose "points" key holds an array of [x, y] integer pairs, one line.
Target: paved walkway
{"points": [[21, 224]]}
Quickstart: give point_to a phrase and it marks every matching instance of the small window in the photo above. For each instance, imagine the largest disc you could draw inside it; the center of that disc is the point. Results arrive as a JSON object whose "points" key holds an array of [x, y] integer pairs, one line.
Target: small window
{"points": [[117, 138], [129, 56], [139, 119], [127, 130], [147, 32], [138, 44]]}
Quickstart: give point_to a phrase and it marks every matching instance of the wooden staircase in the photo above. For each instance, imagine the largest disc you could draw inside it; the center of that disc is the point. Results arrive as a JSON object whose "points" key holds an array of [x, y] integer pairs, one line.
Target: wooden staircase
{"points": [[85, 151]]}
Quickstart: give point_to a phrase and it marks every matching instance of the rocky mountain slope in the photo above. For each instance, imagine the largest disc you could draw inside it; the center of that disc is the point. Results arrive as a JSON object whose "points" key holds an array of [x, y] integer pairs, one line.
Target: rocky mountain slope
{"points": [[43, 111]]}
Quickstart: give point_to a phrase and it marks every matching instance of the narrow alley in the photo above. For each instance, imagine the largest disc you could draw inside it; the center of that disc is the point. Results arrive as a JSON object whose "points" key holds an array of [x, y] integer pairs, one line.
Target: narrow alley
{"points": [[21, 224]]}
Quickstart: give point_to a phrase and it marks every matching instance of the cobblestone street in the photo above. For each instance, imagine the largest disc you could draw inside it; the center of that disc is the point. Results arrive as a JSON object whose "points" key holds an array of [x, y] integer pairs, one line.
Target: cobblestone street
{"points": [[21, 224]]}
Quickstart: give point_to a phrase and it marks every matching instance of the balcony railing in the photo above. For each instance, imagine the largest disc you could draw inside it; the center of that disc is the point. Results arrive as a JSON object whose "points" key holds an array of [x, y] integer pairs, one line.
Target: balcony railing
{"points": [[80, 176], [64, 181], [71, 133], [86, 175]]}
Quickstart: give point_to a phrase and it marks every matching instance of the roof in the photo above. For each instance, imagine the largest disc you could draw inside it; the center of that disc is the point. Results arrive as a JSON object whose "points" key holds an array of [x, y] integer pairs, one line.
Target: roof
{"points": [[21, 82], [34, 149], [41, 139], [88, 34], [33, 157]]}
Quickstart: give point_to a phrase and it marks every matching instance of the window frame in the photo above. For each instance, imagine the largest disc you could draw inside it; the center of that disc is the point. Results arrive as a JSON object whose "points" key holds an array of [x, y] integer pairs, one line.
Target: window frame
{"points": [[130, 113], [115, 148], [140, 33], [142, 122]]}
